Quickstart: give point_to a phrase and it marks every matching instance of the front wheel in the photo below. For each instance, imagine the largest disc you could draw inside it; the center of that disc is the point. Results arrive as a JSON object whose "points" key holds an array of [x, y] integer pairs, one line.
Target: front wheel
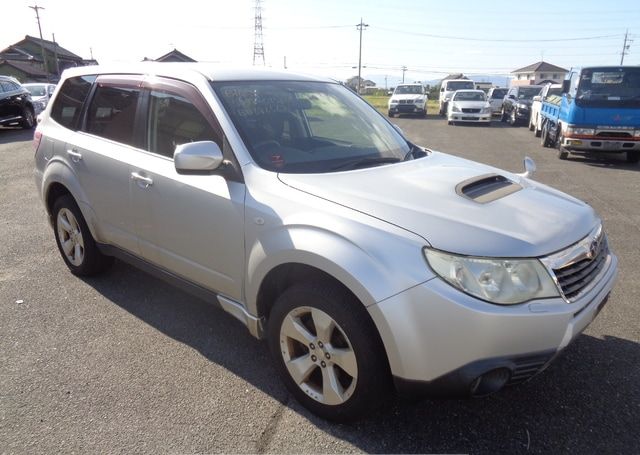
{"points": [[28, 120], [563, 154], [75, 242], [390, 114], [503, 116], [513, 119], [633, 157], [328, 352], [531, 124]]}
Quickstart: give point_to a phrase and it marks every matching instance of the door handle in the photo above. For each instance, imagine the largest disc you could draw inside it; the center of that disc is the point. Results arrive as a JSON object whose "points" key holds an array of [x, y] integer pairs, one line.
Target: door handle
{"points": [[74, 155], [143, 182]]}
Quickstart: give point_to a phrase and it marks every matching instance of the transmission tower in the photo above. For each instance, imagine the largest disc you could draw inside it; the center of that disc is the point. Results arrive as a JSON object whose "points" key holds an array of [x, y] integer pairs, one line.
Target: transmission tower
{"points": [[258, 46]]}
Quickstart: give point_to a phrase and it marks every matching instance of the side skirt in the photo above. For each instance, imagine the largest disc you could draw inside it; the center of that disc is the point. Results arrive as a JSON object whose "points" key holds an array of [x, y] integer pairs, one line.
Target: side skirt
{"points": [[234, 308]]}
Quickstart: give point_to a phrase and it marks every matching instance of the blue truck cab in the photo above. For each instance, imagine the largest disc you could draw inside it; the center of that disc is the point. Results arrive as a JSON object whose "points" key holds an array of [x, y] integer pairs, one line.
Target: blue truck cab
{"points": [[598, 112]]}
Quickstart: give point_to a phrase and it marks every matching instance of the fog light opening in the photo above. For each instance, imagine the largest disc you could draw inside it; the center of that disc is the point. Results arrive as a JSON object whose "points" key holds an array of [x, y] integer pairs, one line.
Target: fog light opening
{"points": [[490, 382]]}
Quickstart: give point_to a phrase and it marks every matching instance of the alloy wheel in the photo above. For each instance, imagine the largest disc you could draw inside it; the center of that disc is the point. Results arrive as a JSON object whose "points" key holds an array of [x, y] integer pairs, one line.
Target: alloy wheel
{"points": [[70, 237]]}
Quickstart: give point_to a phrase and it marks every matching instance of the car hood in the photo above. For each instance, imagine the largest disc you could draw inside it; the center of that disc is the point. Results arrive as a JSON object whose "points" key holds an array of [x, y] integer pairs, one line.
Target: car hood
{"points": [[421, 197]]}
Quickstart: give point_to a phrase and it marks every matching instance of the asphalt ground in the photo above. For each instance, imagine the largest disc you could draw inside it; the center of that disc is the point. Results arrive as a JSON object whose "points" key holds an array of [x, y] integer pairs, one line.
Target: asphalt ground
{"points": [[126, 363]]}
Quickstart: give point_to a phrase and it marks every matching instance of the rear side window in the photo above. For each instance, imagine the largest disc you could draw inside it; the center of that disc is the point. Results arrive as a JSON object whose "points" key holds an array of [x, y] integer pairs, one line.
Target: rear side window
{"points": [[112, 113], [174, 120], [68, 104]]}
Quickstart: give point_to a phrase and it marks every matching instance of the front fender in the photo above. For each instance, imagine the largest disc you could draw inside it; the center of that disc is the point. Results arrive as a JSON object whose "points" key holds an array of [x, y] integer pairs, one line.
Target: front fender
{"points": [[374, 265]]}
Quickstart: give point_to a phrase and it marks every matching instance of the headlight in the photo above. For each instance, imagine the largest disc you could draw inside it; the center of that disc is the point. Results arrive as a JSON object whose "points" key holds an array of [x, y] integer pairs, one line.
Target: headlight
{"points": [[523, 106], [502, 281], [486, 110], [455, 108], [580, 131], [418, 101], [392, 101]]}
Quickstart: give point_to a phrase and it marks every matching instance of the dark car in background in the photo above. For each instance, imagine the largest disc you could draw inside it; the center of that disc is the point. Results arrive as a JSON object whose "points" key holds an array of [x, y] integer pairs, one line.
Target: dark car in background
{"points": [[16, 106], [516, 107]]}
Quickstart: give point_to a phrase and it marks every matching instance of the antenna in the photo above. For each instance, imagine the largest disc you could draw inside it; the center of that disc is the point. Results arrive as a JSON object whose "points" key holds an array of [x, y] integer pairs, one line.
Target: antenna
{"points": [[258, 46]]}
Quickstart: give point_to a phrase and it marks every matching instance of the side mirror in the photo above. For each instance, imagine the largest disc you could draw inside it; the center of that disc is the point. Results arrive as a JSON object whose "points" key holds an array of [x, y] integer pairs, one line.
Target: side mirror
{"points": [[511, 97], [442, 89], [565, 86], [537, 98], [197, 157], [529, 168]]}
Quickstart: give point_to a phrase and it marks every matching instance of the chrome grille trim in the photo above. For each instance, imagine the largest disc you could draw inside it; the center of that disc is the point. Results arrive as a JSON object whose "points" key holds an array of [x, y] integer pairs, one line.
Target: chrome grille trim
{"points": [[576, 269]]}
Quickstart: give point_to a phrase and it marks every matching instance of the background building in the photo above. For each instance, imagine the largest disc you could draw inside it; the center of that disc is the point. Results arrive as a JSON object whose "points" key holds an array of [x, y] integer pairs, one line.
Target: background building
{"points": [[538, 73]]}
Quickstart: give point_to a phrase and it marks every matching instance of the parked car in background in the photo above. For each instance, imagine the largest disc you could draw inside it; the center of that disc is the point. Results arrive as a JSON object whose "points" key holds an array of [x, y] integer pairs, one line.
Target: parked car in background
{"points": [[16, 107], [408, 99], [496, 97], [447, 88], [516, 107], [40, 95], [535, 120], [469, 106], [367, 262]]}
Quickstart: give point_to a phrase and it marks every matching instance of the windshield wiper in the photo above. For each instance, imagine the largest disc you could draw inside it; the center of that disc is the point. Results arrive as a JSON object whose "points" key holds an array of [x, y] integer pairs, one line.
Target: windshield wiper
{"points": [[364, 162], [415, 152]]}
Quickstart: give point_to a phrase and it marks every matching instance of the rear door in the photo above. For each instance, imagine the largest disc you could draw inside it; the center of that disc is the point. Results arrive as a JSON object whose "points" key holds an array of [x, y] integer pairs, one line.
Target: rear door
{"points": [[191, 225], [100, 153]]}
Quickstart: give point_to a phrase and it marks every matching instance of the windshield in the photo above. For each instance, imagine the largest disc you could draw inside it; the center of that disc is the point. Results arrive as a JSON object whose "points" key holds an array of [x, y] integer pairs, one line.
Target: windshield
{"points": [[309, 127], [554, 91], [527, 93], [469, 96], [609, 87], [36, 90], [459, 85], [499, 93], [408, 89]]}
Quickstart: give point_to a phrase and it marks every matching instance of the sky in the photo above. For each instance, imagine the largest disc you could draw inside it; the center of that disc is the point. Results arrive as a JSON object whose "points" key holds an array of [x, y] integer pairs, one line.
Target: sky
{"points": [[432, 39]]}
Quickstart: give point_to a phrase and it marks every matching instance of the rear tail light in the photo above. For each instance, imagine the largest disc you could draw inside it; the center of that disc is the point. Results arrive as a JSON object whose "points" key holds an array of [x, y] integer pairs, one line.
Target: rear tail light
{"points": [[37, 137]]}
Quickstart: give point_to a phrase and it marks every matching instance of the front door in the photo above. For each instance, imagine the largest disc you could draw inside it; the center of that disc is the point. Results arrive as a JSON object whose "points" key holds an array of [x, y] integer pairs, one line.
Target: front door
{"points": [[191, 225]]}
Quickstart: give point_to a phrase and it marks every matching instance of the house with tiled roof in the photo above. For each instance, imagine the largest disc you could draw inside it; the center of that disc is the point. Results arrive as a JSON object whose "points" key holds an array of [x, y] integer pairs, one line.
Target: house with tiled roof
{"points": [[538, 73], [174, 56], [24, 60]]}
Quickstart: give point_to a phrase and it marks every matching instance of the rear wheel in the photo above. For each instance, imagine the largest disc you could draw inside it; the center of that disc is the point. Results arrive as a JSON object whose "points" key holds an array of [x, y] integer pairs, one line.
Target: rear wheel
{"points": [[545, 140], [75, 242], [327, 352]]}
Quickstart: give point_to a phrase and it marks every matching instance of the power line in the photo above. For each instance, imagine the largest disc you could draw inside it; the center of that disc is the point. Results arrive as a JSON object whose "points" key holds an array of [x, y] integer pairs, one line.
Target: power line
{"points": [[258, 45], [495, 40]]}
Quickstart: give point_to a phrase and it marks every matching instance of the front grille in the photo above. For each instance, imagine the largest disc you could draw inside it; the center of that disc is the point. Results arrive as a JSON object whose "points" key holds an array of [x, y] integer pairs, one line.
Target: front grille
{"points": [[406, 101], [470, 111], [527, 367], [573, 278], [619, 134]]}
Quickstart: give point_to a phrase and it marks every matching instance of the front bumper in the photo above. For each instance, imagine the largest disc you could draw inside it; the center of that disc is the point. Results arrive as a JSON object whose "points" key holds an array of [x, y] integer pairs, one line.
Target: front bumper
{"points": [[465, 117], [441, 341], [407, 109], [599, 145]]}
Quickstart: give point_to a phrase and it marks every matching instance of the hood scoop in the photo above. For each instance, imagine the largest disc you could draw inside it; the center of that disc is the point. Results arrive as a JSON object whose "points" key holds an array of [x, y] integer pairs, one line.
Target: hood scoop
{"points": [[486, 188]]}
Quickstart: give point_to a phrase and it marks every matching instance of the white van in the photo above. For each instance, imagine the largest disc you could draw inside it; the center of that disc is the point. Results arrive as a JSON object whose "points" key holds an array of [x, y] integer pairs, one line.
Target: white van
{"points": [[448, 87]]}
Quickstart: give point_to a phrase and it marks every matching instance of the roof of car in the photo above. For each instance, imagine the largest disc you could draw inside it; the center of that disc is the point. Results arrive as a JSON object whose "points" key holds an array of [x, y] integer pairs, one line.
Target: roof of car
{"points": [[468, 90], [210, 71]]}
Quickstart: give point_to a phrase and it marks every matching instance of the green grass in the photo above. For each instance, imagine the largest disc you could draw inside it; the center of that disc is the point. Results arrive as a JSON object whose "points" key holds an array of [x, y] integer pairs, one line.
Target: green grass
{"points": [[380, 102]]}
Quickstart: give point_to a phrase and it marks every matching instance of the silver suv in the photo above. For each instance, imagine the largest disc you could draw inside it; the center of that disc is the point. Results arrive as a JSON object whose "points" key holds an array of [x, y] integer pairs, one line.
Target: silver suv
{"points": [[367, 262]]}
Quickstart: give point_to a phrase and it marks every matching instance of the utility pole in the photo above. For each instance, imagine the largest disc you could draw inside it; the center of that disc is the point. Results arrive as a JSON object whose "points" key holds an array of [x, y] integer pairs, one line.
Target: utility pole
{"points": [[404, 70], [285, 62], [385, 82], [360, 26], [258, 45], [625, 46], [55, 54], [37, 9]]}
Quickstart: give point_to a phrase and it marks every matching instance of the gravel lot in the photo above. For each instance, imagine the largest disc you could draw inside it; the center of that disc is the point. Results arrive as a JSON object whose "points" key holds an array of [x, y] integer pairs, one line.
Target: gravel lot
{"points": [[125, 363]]}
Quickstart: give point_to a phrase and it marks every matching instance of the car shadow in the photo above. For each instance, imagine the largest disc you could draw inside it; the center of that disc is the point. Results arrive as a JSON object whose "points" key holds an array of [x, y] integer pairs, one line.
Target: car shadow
{"points": [[9, 135], [586, 401], [615, 161]]}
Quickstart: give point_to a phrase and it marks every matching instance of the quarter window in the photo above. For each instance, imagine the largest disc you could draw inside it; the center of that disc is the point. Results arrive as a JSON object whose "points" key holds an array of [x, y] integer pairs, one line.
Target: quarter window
{"points": [[68, 103], [174, 120], [112, 113]]}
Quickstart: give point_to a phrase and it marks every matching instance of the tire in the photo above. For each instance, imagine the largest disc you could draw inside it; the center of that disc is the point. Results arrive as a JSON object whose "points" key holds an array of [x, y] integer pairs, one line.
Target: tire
{"points": [[503, 116], [424, 114], [28, 119], [443, 109], [536, 130], [562, 153], [633, 157], [545, 141], [72, 233], [513, 120], [449, 122], [390, 114], [361, 379], [531, 124]]}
